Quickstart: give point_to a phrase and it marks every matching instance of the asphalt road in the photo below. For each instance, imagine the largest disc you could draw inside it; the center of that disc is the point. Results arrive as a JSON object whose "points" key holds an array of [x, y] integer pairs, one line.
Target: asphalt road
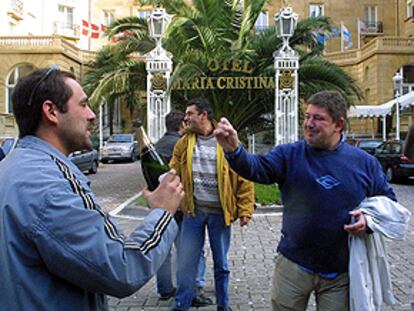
{"points": [[252, 251]]}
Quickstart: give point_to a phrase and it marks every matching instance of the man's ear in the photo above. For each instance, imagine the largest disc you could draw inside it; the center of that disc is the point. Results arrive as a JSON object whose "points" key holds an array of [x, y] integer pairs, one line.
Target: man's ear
{"points": [[204, 114], [340, 125], [49, 111]]}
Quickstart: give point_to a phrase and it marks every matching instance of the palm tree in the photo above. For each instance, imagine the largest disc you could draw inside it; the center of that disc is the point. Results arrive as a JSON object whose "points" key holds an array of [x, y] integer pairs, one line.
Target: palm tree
{"points": [[224, 31], [116, 74]]}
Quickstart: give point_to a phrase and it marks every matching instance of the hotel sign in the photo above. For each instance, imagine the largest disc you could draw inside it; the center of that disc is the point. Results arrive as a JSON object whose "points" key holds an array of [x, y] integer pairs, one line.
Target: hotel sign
{"points": [[226, 82]]}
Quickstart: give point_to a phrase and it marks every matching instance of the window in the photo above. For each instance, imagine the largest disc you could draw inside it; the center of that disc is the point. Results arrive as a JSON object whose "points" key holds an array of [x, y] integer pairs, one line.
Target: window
{"points": [[315, 10], [66, 17], [262, 22], [408, 79], [409, 8], [144, 14], [370, 14], [11, 81], [108, 17]]}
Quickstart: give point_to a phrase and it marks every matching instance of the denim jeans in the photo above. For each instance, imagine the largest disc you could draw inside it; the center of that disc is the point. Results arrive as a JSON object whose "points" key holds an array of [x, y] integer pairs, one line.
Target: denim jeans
{"points": [[192, 237], [165, 283]]}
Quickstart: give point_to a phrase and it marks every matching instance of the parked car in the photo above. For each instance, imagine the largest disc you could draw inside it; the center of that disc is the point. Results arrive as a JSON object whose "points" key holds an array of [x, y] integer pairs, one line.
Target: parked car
{"points": [[7, 144], [352, 141], [86, 160], [369, 145], [394, 163], [120, 147]]}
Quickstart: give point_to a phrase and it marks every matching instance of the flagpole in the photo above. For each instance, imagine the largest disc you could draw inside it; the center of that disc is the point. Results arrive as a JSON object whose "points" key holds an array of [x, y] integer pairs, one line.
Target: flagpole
{"points": [[359, 33]]}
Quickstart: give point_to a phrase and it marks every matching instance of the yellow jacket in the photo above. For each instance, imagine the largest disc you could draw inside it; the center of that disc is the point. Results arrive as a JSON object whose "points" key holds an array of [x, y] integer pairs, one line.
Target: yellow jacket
{"points": [[236, 193]]}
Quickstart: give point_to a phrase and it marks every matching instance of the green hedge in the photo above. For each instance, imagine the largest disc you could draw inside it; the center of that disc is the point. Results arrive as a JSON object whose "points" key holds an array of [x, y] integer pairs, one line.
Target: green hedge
{"points": [[267, 194]]}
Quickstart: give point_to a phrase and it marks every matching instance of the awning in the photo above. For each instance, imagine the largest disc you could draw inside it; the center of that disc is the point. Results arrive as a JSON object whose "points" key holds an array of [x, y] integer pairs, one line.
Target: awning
{"points": [[368, 111]]}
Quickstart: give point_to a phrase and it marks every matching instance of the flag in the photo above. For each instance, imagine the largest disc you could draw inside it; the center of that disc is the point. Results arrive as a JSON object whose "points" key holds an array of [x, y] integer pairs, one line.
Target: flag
{"points": [[361, 26], [362, 29], [335, 32], [85, 28], [95, 31], [346, 38], [320, 38]]}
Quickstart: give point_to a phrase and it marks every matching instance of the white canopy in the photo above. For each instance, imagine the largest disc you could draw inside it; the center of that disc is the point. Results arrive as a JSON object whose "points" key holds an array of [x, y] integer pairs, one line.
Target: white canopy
{"points": [[368, 111]]}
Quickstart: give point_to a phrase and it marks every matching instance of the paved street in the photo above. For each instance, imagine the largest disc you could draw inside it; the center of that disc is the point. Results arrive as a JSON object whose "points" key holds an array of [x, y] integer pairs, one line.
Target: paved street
{"points": [[252, 251]]}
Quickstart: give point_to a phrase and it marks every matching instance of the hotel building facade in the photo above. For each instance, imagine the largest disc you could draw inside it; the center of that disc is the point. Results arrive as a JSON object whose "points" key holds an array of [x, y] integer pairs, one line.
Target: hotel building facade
{"points": [[372, 40]]}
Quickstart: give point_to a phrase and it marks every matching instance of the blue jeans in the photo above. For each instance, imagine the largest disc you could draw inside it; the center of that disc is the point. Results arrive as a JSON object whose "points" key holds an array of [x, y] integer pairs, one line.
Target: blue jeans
{"points": [[192, 240], [164, 274]]}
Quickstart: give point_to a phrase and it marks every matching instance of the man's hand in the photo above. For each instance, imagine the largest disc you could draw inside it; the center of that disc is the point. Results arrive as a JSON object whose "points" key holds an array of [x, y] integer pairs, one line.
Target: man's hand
{"points": [[358, 228], [226, 135], [167, 195], [244, 220]]}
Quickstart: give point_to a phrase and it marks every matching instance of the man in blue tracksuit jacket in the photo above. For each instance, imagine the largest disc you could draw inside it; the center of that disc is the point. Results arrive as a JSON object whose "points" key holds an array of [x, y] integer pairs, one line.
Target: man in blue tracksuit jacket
{"points": [[59, 249], [322, 180]]}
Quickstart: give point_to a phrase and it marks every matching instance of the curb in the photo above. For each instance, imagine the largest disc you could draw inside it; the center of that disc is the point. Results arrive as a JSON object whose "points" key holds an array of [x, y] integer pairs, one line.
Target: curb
{"points": [[267, 209], [130, 204]]}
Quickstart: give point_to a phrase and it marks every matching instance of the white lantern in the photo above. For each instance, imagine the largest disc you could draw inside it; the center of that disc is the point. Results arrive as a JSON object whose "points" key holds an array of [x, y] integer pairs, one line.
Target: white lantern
{"points": [[397, 79], [157, 23], [285, 22]]}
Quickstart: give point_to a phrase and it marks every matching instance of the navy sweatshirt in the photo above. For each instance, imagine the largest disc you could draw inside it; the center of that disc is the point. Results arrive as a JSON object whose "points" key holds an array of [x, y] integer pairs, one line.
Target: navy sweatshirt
{"points": [[318, 189]]}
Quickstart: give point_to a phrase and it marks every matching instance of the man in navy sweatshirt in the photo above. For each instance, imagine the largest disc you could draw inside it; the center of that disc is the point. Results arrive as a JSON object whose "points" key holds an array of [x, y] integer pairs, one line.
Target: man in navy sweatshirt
{"points": [[322, 180]]}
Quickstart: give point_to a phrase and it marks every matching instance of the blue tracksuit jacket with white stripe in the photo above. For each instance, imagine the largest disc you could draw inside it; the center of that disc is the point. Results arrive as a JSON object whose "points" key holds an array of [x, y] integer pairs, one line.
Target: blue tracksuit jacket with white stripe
{"points": [[58, 249]]}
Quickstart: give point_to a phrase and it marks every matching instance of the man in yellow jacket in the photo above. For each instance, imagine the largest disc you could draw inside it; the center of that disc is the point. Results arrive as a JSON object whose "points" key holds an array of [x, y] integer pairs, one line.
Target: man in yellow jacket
{"points": [[215, 196]]}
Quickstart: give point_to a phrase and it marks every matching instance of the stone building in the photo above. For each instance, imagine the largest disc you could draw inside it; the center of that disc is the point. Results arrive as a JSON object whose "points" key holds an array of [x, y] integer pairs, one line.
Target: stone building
{"points": [[36, 34]]}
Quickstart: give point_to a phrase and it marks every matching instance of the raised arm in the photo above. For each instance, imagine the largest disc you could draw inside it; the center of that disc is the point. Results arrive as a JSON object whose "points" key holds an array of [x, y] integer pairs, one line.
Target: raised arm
{"points": [[226, 136], [257, 168]]}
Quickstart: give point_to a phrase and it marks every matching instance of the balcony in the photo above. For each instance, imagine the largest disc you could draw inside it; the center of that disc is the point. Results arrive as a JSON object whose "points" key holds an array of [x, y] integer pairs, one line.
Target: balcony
{"points": [[15, 10], [45, 44], [64, 29], [373, 28], [379, 45]]}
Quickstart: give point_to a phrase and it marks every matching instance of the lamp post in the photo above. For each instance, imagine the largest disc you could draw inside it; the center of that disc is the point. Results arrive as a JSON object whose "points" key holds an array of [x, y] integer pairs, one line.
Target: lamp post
{"points": [[159, 68], [397, 79], [286, 64]]}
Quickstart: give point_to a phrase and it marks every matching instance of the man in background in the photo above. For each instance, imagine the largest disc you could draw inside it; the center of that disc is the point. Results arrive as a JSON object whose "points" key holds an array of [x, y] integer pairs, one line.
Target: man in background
{"points": [[215, 197], [174, 122]]}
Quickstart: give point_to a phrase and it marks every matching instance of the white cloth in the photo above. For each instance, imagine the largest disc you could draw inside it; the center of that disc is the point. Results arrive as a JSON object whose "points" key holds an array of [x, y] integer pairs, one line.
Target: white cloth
{"points": [[369, 275]]}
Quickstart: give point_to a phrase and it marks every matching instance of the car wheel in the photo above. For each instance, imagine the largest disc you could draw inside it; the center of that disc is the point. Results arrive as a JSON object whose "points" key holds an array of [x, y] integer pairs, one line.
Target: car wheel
{"points": [[133, 157], [390, 174], [104, 161], [94, 168]]}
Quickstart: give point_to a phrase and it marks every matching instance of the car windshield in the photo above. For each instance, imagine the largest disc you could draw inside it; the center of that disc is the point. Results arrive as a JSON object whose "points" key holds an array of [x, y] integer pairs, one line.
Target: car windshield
{"points": [[6, 144], [120, 139], [369, 143]]}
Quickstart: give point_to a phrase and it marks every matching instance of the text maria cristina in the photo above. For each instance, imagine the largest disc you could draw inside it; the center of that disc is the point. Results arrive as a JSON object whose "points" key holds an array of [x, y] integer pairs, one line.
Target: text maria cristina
{"points": [[222, 83]]}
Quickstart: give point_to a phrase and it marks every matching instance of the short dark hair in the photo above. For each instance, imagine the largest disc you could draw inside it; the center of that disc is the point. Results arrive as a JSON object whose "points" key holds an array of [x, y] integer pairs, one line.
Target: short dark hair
{"points": [[37, 87], [332, 101], [173, 120], [202, 105]]}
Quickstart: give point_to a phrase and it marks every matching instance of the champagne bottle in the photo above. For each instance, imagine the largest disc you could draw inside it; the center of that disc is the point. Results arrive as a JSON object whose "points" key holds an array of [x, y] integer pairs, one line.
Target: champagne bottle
{"points": [[152, 163]]}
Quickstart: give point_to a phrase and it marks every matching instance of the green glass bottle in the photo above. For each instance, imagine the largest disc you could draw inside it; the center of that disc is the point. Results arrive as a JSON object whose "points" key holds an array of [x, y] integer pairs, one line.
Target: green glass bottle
{"points": [[152, 163]]}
